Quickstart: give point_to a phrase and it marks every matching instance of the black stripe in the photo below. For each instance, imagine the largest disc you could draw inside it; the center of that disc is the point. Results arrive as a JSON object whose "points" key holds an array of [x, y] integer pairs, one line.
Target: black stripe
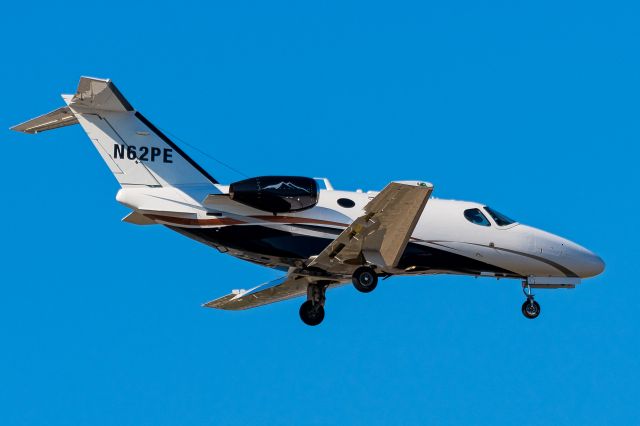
{"points": [[266, 241], [568, 272], [260, 240], [424, 258], [175, 147], [121, 98]]}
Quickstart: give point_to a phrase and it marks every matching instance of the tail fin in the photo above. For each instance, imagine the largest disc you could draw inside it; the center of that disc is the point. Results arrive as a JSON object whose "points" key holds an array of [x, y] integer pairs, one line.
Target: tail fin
{"points": [[136, 152]]}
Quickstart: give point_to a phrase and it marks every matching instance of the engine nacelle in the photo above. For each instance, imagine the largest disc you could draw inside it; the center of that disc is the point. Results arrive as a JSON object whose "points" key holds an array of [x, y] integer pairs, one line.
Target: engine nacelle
{"points": [[276, 194]]}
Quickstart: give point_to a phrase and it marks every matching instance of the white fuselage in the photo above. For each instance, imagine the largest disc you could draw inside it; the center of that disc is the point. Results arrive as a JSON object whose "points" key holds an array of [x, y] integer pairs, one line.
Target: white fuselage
{"points": [[326, 238], [444, 241]]}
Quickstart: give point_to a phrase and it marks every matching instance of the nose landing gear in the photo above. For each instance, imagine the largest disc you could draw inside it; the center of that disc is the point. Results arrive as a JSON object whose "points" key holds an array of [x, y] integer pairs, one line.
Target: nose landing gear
{"points": [[530, 308]]}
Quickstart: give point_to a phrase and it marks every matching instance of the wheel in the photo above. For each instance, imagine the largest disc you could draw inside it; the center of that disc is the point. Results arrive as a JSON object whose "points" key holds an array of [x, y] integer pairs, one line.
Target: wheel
{"points": [[530, 309], [311, 314], [365, 279]]}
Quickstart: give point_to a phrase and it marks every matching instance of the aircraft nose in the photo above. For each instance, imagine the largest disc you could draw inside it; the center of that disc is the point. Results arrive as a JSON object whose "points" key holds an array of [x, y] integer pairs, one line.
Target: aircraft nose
{"points": [[584, 263], [591, 265], [575, 258]]}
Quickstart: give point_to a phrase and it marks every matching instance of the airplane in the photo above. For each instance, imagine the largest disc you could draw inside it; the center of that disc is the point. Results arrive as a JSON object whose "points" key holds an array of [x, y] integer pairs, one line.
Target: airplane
{"points": [[319, 237]]}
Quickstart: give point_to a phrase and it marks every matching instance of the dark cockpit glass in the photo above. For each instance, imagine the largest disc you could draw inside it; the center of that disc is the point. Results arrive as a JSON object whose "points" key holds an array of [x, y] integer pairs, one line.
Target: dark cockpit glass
{"points": [[476, 216], [500, 219]]}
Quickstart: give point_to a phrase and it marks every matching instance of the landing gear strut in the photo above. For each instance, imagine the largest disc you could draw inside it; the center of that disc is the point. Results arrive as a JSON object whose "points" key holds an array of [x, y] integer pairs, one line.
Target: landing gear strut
{"points": [[365, 279], [312, 311], [530, 308]]}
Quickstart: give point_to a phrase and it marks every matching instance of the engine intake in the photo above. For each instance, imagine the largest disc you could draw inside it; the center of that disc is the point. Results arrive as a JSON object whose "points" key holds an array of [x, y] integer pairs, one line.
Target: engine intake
{"points": [[276, 194]]}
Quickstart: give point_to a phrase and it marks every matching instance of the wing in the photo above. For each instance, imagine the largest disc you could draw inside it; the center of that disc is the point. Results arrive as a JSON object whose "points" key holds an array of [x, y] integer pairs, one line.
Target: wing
{"points": [[380, 236], [284, 288]]}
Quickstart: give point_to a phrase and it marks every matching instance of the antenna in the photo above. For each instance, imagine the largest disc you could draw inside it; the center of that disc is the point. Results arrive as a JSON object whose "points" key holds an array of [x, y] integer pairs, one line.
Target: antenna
{"points": [[204, 153]]}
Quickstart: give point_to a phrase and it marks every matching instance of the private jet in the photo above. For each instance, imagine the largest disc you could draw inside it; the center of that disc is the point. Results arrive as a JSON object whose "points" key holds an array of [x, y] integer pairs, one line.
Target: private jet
{"points": [[319, 237]]}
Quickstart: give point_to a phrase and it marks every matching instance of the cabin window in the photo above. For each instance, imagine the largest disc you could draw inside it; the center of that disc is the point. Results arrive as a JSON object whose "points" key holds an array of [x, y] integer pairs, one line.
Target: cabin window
{"points": [[500, 219], [346, 203], [476, 216]]}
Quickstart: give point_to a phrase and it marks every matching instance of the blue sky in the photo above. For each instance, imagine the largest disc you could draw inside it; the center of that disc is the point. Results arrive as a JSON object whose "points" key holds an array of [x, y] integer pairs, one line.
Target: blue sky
{"points": [[531, 108]]}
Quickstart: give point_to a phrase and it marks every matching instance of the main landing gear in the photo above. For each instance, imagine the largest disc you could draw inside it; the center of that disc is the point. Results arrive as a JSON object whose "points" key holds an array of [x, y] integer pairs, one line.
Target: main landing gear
{"points": [[530, 308], [365, 279], [312, 311]]}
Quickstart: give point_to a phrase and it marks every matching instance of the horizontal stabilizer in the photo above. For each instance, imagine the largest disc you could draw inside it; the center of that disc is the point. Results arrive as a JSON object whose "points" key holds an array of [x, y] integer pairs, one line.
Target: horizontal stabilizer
{"points": [[99, 94], [138, 219], [53, 120]]}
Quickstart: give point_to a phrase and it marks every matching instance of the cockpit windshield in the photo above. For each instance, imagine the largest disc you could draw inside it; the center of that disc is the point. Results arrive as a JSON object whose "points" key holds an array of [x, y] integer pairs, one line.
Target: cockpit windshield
{"points": [[476, 216], [501, 220]]}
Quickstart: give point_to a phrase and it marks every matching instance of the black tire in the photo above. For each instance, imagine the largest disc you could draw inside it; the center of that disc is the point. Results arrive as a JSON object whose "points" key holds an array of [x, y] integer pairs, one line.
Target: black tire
{"points": [[530, 309], [311, 314], [365, 279]]}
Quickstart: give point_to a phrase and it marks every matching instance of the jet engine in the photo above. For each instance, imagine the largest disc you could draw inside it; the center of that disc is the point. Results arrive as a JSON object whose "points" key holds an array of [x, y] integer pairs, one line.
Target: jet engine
{"points": [[276, 194]]}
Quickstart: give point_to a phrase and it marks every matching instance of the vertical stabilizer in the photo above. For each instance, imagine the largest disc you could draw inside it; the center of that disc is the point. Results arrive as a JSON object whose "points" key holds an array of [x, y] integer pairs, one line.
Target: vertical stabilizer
{"points": [[136, 152]]}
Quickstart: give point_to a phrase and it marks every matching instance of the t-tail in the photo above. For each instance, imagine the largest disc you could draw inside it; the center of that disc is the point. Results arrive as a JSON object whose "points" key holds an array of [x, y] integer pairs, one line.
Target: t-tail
{"points": [[136, 152]]}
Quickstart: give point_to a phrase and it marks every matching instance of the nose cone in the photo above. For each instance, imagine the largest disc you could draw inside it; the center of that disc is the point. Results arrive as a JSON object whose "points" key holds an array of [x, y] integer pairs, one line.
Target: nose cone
{"points": [[569, 257], [583, 262], [590, 265]]}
